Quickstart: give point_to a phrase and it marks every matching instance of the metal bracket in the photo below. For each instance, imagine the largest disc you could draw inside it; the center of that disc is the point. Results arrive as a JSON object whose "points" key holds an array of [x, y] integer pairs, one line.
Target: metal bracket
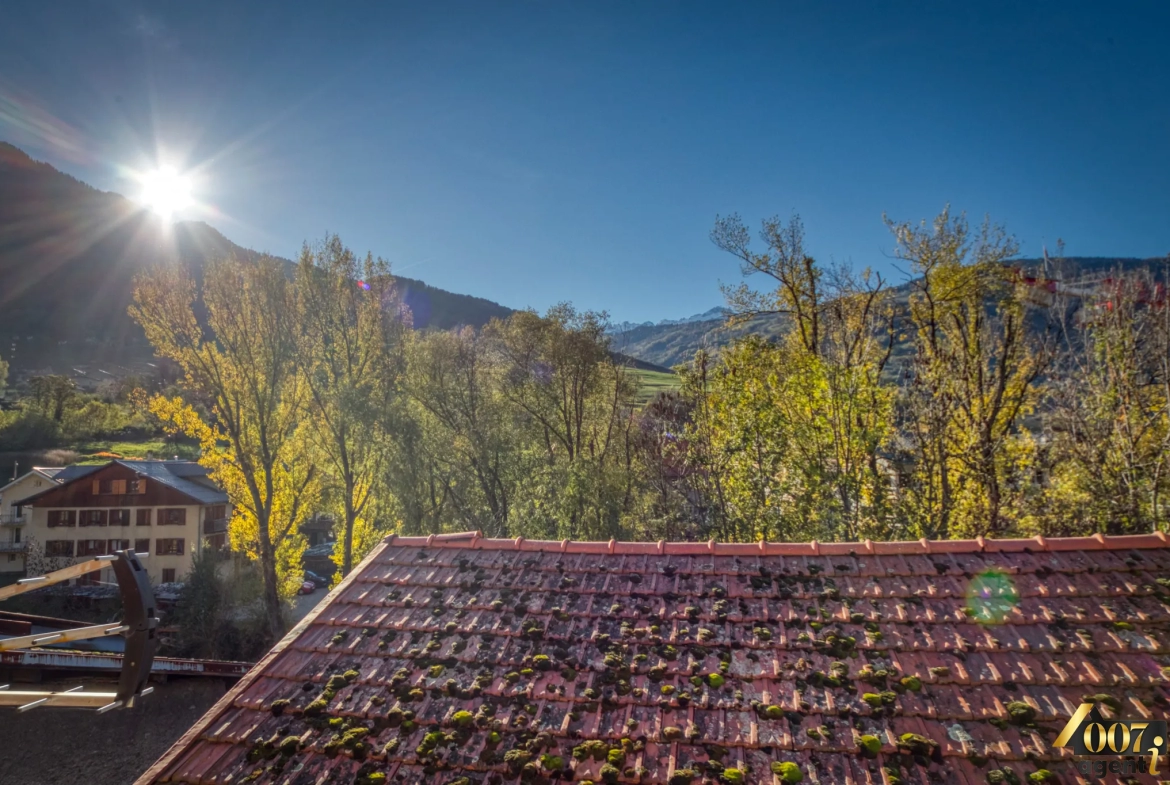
{"points": [[138, 628]]}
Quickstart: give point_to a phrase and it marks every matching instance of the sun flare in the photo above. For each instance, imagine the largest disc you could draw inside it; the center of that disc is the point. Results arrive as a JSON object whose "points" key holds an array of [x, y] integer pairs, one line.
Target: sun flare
{"points": [[165, 191]]}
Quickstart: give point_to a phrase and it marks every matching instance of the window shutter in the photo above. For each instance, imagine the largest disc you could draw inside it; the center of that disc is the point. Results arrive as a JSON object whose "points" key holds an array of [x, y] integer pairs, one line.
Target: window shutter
{"points": [[141, 485], [97, 487], [119, 487]]}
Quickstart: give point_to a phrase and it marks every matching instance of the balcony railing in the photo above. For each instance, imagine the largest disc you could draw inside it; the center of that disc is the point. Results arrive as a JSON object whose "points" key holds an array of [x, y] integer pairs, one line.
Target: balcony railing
{"points": [[8, 546], [214, 525], [12, 519]]}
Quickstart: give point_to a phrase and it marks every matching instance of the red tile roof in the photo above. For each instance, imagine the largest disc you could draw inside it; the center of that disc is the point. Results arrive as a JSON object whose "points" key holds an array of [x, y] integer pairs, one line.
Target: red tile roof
{"points": [[457, 659]]}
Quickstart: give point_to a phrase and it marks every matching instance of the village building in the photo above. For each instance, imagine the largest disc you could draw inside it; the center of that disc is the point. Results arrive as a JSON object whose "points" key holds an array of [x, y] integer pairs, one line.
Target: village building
{"points": [[167, 510]]}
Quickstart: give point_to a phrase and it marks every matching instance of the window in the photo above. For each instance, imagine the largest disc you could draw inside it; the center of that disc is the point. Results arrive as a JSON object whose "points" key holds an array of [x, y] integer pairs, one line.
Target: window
{"points": [[168, 575], [58, 547], [12, 557], [104, 486], [93, 517], [216, 512], [142, 517], [62, 517], [119, 517], [136, 486], [172, 547], [173, 516], [91, 547], [142, 546], [117, 545]]}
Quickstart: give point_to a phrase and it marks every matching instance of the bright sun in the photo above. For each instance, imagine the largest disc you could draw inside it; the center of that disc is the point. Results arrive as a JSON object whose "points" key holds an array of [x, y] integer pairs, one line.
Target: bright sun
{"points": [[165, 191]]}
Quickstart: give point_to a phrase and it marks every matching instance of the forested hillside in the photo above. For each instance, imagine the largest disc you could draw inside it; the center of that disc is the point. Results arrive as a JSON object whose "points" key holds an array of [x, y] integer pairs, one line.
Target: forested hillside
{"points": [[69, 254]]}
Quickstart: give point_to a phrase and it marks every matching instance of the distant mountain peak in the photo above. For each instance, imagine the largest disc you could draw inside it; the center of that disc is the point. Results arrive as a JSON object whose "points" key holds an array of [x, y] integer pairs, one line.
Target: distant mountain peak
{"points": [[716, 314]]}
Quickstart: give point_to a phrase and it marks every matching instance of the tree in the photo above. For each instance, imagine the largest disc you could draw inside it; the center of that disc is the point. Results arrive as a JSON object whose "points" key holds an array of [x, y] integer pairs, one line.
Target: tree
{"points": [[798, 428], [351, 350], [565, 388], [1107, 421], [242, 398], [463, 450], [3, 376], [972, 378], [51, 394]]}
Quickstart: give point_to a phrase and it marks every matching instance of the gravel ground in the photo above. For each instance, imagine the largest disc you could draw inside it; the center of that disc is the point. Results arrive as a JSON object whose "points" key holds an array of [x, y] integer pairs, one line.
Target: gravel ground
{"points": [[62, 746]]}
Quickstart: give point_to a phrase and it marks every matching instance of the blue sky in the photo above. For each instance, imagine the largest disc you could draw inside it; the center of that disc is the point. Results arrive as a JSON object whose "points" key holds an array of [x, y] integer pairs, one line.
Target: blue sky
{"points": [[531, 152]]}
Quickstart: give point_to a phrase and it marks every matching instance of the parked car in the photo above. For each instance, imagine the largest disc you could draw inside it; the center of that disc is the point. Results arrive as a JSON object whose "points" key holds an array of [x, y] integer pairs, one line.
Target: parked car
{"points": [[316, 580]]}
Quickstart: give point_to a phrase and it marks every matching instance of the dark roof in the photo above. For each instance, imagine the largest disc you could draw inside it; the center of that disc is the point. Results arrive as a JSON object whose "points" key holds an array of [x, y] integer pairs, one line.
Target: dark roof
{"points": [[807, 636], [186, 477], [63, 474]]}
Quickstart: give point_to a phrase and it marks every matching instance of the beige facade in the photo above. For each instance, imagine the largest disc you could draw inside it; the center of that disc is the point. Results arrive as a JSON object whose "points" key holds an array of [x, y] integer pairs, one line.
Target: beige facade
{"points": [[166, 511], [169, 546], [14, 519]]}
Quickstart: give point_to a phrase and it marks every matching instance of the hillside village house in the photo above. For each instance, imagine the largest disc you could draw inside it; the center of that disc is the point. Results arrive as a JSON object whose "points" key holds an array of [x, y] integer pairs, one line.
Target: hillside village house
{"points": [[168, 509], [15, 517]]}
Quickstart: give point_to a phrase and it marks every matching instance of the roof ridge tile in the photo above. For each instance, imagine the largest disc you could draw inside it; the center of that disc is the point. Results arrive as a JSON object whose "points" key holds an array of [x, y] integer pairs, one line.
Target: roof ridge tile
{"points": [[1098, 541]]}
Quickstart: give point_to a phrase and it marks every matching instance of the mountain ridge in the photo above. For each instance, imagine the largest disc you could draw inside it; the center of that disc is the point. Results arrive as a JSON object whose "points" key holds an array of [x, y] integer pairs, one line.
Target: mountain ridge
{"points": [[69, 253], [672, 342]]}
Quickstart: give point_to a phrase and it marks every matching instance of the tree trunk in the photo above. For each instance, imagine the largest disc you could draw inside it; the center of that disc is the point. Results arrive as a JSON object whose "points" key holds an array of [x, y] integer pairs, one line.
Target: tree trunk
{"points": [[347, 560], [273, 609]]}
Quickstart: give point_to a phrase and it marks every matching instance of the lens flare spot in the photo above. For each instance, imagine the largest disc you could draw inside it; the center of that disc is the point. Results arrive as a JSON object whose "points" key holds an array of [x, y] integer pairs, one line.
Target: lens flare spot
{"points": [[165, 191], [992, 596]]}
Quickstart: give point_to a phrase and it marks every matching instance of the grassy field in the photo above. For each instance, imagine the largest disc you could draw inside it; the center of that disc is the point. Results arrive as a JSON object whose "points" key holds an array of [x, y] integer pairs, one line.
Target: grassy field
{"points": [[650, 383], [98, 451]]}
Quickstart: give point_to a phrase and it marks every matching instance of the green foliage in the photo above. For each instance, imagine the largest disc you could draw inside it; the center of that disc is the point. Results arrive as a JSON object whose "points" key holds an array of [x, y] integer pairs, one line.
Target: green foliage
{"points": [[528, 425], [350, 353], [242, 399], [973, 379], [209, 625]]}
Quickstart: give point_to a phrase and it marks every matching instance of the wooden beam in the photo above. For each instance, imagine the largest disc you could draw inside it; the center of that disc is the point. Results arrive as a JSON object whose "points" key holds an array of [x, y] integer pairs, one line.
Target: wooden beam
{"points": [[57, 576], [77, 700], [62, 636]]}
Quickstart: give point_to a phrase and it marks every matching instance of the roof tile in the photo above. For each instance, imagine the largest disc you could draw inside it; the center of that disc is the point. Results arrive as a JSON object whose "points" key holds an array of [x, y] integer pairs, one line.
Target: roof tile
{"points": [[450, 652]]}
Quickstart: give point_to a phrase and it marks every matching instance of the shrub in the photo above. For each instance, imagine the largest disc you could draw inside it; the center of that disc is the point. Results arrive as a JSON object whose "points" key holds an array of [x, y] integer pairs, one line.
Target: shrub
{"points": [[1020, 712], [1108, 700], [870, 746], [787, 771]]}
